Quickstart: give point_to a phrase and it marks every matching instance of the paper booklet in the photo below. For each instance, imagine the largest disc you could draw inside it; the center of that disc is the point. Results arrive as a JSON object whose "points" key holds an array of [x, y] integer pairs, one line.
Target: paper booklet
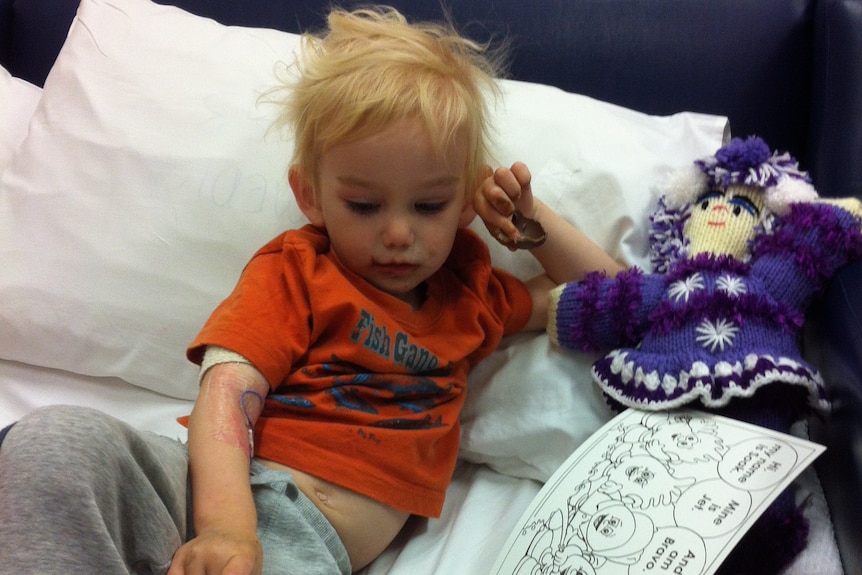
{"points": [[664, 493]]}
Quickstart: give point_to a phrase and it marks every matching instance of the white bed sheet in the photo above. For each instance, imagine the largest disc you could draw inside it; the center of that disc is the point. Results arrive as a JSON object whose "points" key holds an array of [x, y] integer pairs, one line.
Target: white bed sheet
{"points": [[24, 388], [482, 506]]}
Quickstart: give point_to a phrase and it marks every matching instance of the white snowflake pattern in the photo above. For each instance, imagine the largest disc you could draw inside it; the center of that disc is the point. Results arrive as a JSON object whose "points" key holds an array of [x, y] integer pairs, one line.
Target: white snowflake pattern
{"points": [[733, 286], [685, 287], [716, 334]]}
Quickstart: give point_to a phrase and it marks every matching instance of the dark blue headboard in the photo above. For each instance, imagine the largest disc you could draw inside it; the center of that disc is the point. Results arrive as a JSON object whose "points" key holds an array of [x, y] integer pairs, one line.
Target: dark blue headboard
{"points": [[754, 65]]}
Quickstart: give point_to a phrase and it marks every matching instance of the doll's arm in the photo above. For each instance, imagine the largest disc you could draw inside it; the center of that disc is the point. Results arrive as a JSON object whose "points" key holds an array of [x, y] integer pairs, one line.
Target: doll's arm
{"points": [[602, 313], [852, 205], [808, 246]]}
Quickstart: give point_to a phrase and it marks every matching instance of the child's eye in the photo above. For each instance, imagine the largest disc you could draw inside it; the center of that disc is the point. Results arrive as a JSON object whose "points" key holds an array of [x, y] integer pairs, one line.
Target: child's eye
{"points": [[431, 207], [362, 208]]}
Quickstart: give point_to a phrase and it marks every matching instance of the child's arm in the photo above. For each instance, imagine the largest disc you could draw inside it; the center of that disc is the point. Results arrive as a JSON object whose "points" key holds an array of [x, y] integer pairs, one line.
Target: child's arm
{"points": [[219, 453], [566, 255]]}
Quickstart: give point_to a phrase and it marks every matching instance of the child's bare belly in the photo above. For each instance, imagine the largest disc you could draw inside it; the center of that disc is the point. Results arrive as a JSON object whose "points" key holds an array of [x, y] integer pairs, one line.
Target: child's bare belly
{"points": [[364, 525]]}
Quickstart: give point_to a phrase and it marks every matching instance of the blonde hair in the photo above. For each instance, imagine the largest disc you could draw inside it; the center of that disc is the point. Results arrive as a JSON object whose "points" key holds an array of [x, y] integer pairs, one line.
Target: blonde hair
{"points": [[372, 68]]}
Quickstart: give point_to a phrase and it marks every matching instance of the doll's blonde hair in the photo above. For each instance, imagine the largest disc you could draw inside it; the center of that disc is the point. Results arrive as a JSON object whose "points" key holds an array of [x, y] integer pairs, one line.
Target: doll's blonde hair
{"points": [[372, 68]]}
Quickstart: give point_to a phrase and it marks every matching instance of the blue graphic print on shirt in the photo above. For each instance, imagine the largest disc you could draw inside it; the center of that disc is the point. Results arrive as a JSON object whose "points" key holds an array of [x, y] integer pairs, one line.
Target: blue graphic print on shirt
{"points": [[387, 395]]}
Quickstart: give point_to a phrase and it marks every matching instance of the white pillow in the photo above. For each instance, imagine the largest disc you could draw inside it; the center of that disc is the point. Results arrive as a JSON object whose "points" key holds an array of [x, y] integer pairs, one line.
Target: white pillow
{"points": [[18, 100], [528, 406], [148, 179]]}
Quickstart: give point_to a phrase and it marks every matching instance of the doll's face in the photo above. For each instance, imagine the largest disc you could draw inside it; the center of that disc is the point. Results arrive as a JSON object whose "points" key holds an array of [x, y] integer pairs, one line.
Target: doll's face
{"points": [[723, 222]]}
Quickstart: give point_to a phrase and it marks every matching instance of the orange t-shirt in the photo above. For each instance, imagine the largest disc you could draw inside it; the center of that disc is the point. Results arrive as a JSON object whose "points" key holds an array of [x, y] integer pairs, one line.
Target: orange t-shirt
{"points": [[365, 392]]}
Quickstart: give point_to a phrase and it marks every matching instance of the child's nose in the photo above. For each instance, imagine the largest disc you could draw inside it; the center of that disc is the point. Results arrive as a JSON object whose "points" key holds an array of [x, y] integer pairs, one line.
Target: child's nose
{"points": [[398, 232]]}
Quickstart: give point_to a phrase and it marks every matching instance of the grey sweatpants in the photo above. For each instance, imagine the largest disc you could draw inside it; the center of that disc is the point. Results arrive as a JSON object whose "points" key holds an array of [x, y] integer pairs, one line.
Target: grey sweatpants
{"points": [[84, 493]]}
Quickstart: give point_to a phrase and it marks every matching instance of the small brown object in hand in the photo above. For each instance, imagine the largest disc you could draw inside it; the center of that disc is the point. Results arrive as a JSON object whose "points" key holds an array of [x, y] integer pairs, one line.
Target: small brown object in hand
{"points": [[532, 233]]}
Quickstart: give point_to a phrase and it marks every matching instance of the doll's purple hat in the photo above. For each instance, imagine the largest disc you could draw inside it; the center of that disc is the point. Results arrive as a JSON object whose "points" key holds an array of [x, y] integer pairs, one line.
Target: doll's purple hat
{"points": [[746, 162]]}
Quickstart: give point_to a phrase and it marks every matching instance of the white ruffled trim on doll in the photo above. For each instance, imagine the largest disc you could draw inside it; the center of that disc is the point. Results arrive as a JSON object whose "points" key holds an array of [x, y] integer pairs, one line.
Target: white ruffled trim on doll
{"points": [[633, 378]]}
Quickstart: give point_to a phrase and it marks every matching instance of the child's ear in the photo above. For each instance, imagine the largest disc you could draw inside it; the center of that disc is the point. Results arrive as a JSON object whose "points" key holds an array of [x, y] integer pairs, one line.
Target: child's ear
{"points": [[303, 190], [467, 215]]}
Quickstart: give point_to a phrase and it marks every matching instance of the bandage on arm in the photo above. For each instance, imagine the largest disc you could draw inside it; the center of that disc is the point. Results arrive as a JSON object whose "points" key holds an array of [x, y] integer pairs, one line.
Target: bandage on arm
{"points": [[214, 355]]}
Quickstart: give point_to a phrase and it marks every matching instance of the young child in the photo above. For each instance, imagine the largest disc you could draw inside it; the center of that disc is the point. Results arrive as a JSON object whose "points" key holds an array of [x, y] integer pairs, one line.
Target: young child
{"points": [[334, 374]]}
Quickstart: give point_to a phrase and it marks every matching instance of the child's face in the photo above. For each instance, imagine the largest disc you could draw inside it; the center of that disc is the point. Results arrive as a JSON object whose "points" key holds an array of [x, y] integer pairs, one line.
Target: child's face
{"points": [[391, 206]]}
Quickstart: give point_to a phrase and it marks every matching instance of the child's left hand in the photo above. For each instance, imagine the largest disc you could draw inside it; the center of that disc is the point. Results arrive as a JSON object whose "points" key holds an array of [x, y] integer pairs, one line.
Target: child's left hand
{"points": [[500, 195]]}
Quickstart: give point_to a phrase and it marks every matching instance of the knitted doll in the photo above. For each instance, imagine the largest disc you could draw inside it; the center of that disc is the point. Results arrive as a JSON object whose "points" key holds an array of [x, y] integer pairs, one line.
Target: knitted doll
{"points": [[740, 244]]}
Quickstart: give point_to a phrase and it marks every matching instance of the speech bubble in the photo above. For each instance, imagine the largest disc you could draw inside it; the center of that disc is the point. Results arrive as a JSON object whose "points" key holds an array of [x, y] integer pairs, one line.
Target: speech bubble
{"points": [[712, 508], [674, 551], [757, 463]]}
